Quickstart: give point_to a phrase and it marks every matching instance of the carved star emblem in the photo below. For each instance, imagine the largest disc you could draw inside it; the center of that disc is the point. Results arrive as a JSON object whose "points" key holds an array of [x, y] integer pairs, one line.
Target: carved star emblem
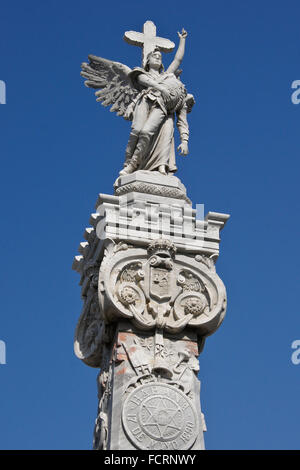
{"points": [[162, 417]]}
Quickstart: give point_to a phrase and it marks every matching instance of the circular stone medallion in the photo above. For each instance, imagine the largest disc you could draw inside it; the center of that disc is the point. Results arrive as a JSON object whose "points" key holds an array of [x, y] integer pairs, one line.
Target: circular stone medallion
{"points": [[157, 416]]}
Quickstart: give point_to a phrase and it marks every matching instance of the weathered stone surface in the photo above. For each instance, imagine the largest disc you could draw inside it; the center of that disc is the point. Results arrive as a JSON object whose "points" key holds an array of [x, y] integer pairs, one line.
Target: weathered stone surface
{"points": [[138, 218], [150, 291], [156, 288], [153, 183], [151, 296], [154, 401]]}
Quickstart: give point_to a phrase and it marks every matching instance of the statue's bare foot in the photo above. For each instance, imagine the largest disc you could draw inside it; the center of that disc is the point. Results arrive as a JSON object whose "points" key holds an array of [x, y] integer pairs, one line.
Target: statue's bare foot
{"points": [[127, 170], [162, 169], [124, 172]]}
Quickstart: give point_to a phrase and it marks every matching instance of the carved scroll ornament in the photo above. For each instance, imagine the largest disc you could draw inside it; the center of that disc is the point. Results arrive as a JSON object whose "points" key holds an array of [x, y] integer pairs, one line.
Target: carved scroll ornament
{"points": [[159, 288]]}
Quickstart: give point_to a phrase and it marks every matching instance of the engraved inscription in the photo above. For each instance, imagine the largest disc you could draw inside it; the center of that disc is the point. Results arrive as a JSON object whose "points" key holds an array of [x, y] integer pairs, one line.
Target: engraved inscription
{"points": [[159, 417]]}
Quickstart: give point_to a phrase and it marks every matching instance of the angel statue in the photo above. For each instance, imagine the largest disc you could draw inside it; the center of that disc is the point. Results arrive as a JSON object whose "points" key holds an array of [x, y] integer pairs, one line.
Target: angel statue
{"points": [[151, 98]]}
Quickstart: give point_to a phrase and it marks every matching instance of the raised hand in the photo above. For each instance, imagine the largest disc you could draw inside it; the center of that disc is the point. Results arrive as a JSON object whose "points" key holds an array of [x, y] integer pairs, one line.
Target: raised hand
{"points": [[183, 34]]}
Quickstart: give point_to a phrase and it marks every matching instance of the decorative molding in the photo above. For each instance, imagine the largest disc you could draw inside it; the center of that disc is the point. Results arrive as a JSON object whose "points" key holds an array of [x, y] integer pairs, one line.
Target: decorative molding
{"points": [[148, 188]]}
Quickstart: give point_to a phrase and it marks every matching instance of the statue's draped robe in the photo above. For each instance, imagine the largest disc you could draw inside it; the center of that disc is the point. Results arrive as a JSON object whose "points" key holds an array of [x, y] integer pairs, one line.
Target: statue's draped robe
{"points": [[161, 150]]}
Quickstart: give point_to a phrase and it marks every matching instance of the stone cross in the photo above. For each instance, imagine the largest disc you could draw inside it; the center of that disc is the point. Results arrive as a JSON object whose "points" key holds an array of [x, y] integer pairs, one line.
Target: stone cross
{"points": [[148, 40]]}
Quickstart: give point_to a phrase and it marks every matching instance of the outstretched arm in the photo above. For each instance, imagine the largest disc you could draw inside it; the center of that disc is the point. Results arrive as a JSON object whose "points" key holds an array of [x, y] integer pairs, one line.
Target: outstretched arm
{"points": [[183, 128], [180, 52]]}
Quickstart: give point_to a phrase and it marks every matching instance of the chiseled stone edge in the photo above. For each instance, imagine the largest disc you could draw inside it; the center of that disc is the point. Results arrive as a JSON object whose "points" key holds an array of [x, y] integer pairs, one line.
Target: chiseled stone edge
{"points": [[157, 190]]}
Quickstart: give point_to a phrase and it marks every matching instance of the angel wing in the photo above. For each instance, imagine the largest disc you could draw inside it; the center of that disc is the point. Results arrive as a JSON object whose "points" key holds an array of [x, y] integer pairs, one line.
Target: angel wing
{"points": [[112, 82]]}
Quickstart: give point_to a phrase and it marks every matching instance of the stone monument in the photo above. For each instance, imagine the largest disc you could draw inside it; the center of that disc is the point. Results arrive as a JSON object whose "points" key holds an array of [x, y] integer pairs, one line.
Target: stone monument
{"points": [[150, 290]]}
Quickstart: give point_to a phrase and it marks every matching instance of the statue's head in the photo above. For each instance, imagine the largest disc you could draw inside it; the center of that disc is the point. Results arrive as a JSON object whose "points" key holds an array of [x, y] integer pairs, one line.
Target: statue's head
{"points": [[154, 61]]}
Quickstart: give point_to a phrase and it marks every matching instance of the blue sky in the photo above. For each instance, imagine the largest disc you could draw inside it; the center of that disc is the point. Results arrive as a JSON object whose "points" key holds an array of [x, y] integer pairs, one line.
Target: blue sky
{"points": [[59, 149]]}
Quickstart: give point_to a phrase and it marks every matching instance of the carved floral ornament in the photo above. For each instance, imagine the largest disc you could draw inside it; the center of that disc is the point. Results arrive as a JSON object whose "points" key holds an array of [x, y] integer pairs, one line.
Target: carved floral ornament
{"points": [[159, 288]]}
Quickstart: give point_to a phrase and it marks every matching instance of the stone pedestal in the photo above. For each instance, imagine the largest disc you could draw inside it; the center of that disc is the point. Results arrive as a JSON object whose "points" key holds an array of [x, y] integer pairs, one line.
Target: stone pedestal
{"points": [[151, 296], [150, 394]]}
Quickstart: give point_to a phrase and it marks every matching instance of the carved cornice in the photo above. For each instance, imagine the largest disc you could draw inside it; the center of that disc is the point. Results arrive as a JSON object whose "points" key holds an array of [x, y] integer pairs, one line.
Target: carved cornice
{"points": [[148, 188]]}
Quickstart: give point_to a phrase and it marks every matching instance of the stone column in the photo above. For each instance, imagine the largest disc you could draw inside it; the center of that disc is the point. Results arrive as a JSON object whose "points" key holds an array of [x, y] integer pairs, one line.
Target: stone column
{"points": [[151, 296]]}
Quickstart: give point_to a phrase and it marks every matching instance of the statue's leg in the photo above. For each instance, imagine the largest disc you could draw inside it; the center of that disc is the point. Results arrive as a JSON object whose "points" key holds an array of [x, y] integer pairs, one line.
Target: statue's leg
{"points": [[141, 113], [148, 132], [133, 138]]}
